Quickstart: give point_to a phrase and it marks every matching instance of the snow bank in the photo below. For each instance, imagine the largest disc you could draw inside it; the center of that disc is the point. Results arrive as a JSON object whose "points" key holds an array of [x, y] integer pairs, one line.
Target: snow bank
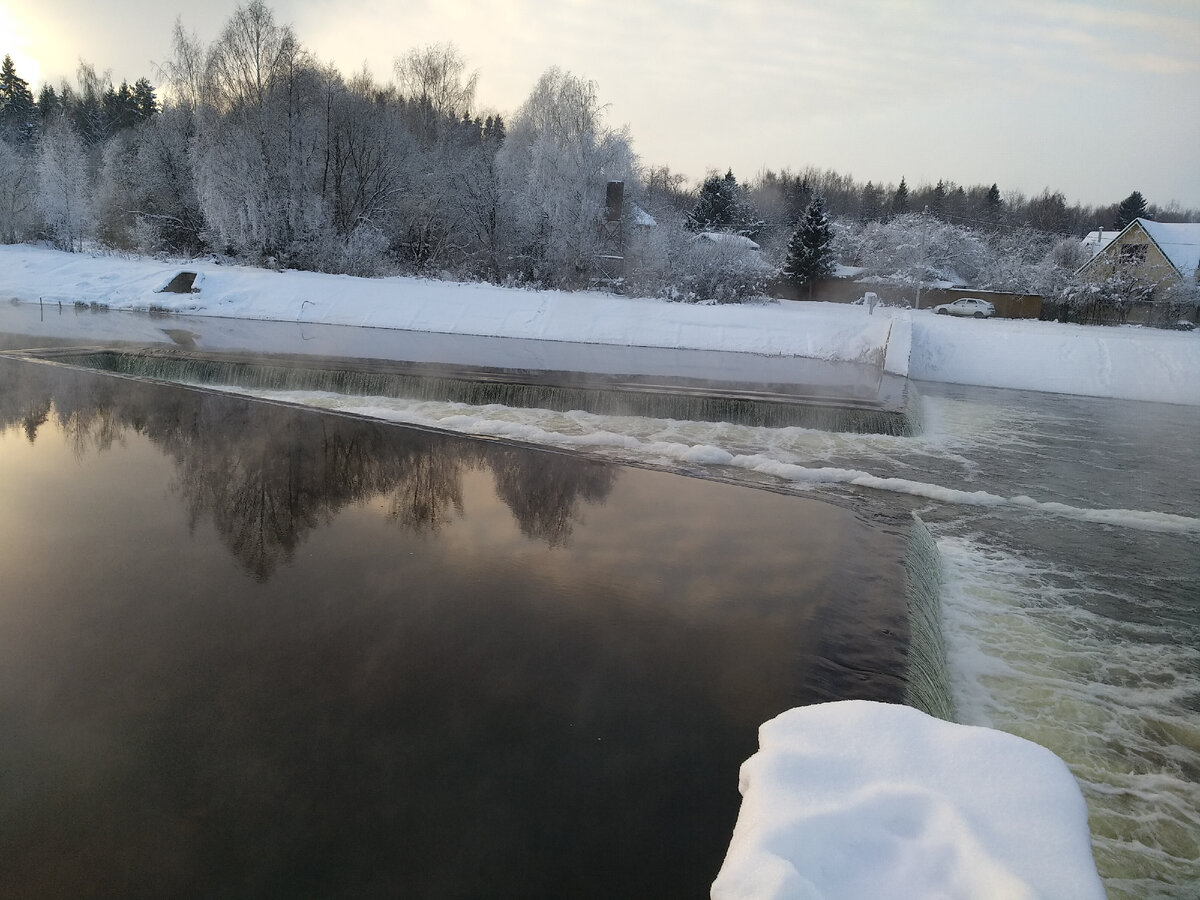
{"points": [[1126, 363], [1130, 363], [413, 304], [859, 799]]}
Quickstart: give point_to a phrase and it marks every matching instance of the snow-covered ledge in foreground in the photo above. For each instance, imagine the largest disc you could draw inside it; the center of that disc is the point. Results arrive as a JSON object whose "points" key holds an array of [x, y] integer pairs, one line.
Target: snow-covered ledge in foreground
{"points": [[859, 799]]}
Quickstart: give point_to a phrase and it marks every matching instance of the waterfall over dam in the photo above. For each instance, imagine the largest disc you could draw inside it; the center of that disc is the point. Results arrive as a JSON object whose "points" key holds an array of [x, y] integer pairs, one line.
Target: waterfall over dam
{"points": [[841, 397]]}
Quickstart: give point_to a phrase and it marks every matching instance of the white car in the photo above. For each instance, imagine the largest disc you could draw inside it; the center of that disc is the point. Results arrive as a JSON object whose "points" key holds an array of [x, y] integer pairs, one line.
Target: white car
{"points": [[967, 306]]}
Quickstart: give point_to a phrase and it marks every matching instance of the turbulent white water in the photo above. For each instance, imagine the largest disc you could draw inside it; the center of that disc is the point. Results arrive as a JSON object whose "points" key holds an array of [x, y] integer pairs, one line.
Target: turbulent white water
{"points": [[1070, 538]]}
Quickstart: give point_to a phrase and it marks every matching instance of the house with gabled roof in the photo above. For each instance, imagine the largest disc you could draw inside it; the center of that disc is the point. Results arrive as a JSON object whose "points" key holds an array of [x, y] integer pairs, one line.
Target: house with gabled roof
{"points": [[1159, 255]]}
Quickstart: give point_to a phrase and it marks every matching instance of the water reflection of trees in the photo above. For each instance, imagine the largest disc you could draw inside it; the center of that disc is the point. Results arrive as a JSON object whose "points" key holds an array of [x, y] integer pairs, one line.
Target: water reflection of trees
{"points": [[543, 490], [267, 475]]}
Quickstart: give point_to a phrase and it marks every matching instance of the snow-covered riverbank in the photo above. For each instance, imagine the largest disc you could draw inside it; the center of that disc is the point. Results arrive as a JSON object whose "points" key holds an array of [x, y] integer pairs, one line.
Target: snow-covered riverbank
{"points": [[1127, 363]]}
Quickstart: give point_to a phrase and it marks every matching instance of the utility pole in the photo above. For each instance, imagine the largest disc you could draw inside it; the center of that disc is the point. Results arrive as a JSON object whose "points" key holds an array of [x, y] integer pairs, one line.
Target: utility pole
{"points": [[924, 241]]}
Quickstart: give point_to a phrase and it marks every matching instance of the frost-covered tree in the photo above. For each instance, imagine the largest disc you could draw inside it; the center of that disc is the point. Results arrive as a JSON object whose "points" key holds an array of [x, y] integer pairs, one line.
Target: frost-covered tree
{"points": [[84, 104], [714, 209], [258, 159], [119, 185], [479, 226], [724, 206], [711, 267], [16, 192], [167, 216], [810, 251], [1132, 207], [64, 188], [435, 79], [366, 154], [185, 72], [553, 166], [913, 249], [1106, 302], [449, 208], [1025, 260]]}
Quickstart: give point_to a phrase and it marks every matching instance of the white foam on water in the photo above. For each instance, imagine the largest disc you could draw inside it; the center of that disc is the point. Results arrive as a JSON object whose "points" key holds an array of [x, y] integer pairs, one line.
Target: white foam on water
{"points": [[785, 454], [1114, 699]]}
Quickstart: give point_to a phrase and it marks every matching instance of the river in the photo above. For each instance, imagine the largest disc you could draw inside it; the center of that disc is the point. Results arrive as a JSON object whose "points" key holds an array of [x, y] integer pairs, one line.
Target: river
{"points": [[1069, 534], [1069, 539]]}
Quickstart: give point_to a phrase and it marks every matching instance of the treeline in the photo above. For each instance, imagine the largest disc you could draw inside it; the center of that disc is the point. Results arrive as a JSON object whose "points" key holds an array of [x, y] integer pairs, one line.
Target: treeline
{"points": [[252, 148]]}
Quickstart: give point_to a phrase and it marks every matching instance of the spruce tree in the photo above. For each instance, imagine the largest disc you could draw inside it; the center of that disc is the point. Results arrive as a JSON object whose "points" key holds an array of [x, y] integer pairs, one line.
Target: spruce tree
{"points": [[871, 208], [48, 102], [715, 207], [900, 198], [723, 206], [1132, 207], [992, 204], [810, 251], [799, 195], [144, 102], [16, 104], [937, 202]]}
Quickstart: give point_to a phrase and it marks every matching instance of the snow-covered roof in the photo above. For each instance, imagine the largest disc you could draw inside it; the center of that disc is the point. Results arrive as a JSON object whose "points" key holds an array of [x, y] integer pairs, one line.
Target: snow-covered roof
{"points": [[1179, 243], [724, 237], [840, 271], [643, 218], [1098, 240]]}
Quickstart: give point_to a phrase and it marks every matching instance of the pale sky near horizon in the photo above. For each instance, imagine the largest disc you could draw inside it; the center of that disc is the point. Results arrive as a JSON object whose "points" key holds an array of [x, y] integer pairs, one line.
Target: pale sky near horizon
{"points": [[1095, 98]]}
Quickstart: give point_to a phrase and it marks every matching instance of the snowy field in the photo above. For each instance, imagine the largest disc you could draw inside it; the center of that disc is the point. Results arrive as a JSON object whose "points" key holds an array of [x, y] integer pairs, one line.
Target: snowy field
{"points": [[1128, 363]]}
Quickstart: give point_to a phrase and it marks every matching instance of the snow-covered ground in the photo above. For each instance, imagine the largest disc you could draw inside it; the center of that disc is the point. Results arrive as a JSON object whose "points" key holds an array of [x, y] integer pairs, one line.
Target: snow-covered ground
{"points": [[1128, 363], [858, 799]]}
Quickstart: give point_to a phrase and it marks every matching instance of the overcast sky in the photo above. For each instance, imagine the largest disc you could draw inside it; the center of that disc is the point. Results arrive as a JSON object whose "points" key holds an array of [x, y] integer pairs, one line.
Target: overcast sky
{"points": [[1095, 98]]}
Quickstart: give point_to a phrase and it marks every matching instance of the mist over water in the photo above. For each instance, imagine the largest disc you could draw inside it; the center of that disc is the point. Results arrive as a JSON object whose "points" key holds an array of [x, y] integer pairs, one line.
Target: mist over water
{"points": [[1069, 530]]}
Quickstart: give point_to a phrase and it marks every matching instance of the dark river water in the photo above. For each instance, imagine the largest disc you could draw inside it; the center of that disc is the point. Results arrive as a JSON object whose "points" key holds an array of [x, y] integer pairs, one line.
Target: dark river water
{"points": [[1069, 535], [255, 650]]}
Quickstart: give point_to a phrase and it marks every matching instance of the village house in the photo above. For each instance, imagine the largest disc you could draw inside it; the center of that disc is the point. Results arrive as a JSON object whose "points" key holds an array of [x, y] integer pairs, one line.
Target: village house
{"points": [[1159, 255]]}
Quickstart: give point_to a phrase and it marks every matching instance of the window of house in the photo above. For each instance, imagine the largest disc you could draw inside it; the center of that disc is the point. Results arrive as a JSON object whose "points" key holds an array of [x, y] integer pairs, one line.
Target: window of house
{"points": [[1133, 253]]}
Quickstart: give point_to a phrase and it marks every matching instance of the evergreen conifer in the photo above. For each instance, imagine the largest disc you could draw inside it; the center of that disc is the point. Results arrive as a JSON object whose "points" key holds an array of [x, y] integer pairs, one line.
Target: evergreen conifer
{"points": [[1132, 207], [16, 104], [722, 206], [48, 101], [937, 202], [900, 198], [144, 102], [810, 251], [714, 207], [799, 195], [872, 203]]}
